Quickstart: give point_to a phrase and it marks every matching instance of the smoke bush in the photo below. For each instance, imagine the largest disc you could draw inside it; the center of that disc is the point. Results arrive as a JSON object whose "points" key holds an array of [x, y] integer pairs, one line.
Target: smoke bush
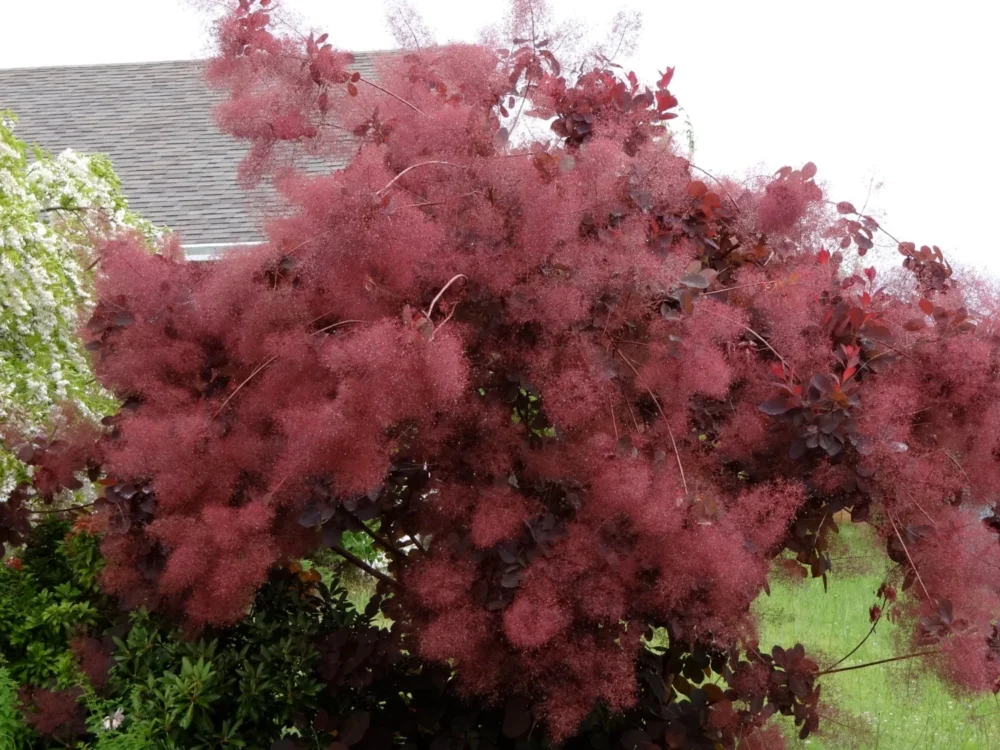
{"points": [[584, 392]]}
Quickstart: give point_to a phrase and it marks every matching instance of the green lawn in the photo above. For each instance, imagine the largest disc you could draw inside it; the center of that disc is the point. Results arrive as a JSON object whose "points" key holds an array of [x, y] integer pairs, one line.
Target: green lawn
{"points": [[885, 707], [898, 710]]}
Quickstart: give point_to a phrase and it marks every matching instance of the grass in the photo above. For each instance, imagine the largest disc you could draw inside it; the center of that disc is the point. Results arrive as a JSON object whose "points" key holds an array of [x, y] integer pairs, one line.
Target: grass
{"points": [[896, 707], [884, 707]]}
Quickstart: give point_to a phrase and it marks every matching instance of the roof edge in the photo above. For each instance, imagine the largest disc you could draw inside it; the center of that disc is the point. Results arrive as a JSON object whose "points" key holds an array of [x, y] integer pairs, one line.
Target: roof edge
{"points": [[211, 250], [82, 66], [175, 61]]}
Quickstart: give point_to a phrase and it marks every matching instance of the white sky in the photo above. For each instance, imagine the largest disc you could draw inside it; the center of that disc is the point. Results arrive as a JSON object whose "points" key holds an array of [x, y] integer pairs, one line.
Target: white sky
{"points": [[900, 91]]}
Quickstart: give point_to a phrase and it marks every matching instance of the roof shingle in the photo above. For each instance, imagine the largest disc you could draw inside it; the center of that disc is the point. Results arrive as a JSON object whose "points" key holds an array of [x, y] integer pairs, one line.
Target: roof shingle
{"points": [[154, 120]]}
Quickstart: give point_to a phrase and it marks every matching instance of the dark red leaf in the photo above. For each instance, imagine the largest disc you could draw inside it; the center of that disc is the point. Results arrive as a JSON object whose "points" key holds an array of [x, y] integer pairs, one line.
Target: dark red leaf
{"points": [[25, 452], [315, 514], [697, 188], [695, 281], [665, 101], [665, 79], [856, 316], [517, 718], [777, 406], [878, 331], [352, 731]]}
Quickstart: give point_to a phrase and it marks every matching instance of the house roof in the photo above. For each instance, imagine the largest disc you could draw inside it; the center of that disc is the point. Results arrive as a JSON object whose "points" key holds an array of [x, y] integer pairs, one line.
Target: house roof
{"points": [[154, 120]]}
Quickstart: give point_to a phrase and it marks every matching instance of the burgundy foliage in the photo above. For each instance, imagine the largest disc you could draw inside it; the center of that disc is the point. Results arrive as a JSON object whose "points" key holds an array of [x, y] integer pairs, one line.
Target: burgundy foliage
{"points": [[95, 658], [53, 713], [600, 391]]}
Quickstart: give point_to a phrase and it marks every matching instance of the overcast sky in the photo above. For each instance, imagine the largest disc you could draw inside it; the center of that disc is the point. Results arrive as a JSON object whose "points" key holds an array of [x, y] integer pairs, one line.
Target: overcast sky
{"points": [[899, 94]]}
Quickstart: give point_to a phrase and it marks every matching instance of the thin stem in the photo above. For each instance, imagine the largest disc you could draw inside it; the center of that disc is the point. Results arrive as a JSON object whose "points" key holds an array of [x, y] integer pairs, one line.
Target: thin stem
{"points": [[878, 226], [705, 172], [250, 377], [850, 653], [414, 166], [614, 421], [912, 564], [606, 323], [379, 539], [451, 281], [517, 117], [631, 413], [746, 286], [414, 107], [318, 318], [912, 655], [416, 40], [955, 461], [47, 209], [621, 41], [884, 231], [767, 344], [527, 75], [441, 324], [412, 537], [388, 580], [305, 242], [446, 200], [898, 351], [335, 325], [64, 510], [677, 454], [933, 522], [871, 184], [760, 338], [860, 369], [666, 421]]}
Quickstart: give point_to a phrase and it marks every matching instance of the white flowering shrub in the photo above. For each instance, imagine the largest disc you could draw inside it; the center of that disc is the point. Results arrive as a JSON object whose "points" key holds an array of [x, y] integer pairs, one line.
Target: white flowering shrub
{"points": [[53, 209]]}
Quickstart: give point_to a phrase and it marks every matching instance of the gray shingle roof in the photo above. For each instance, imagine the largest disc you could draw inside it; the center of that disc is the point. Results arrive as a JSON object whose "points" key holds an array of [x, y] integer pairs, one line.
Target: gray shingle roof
{"points": [[154, 120]]}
